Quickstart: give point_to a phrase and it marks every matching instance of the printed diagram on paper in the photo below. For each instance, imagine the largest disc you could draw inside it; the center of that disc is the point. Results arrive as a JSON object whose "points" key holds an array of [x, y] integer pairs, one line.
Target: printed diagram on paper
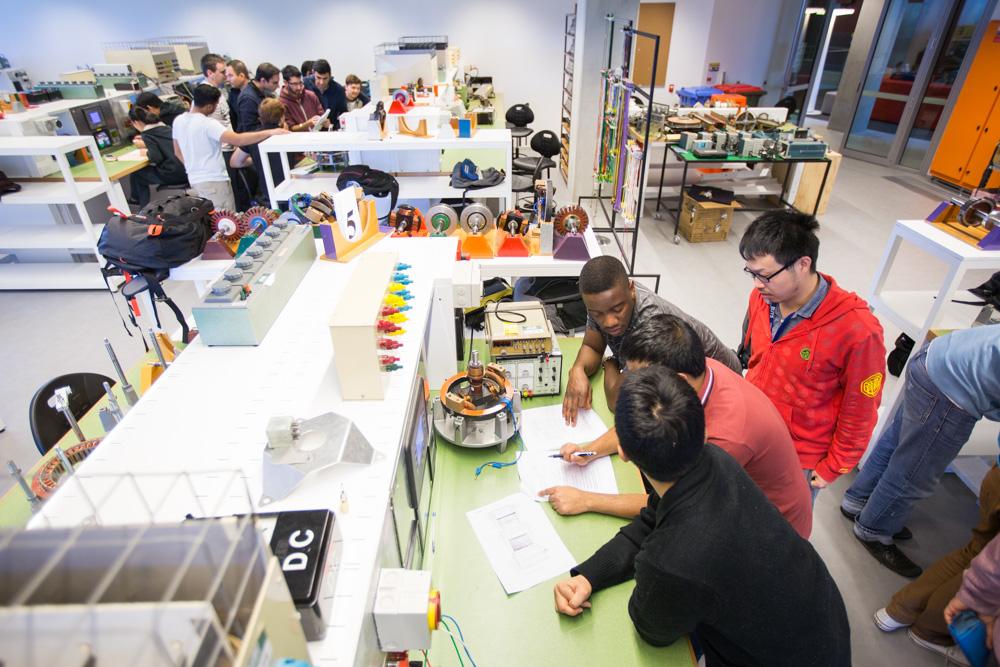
{"points": [[520, 543]]}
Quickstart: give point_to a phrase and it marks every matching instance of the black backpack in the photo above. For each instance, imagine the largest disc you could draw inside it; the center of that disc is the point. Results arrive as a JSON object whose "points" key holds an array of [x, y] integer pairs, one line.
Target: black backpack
{"points": [[374, 182], [144, 247], [164, 235]]}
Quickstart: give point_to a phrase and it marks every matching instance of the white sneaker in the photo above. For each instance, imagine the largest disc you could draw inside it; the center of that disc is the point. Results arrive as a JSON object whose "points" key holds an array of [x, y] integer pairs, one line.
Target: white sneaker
{"points": [[952, 653], [887, 623]]}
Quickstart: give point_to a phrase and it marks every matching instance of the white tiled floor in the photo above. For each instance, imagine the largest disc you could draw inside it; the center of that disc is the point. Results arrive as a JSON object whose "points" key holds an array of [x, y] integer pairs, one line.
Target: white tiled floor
{"points": [[46, 334]]}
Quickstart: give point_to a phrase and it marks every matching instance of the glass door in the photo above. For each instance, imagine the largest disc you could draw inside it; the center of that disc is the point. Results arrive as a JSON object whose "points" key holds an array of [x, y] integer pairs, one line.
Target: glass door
{"points": [[909, 29], [808, 45], [942, 79], [833, 53]]}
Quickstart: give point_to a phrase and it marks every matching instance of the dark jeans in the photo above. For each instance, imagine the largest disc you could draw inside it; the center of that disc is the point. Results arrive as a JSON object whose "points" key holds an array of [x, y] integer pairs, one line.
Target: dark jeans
{"points": [[925, 435], [140, 182]]}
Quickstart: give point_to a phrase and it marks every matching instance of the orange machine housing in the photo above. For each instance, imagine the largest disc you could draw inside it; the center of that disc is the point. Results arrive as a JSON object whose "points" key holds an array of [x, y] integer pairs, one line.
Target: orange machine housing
{"points": [[973, 129]]}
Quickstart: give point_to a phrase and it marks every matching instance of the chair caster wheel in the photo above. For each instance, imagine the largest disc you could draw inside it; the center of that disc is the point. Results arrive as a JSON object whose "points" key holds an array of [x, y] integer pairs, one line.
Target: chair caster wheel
{"points": [[677, 239], [658, 216]]}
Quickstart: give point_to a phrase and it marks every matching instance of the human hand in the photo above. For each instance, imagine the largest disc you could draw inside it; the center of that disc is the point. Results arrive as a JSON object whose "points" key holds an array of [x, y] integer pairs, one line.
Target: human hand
{"points": [[567, 500], [278, 130], [568, 450], [573, 595], [578, 395], [311, 122], [137, 141], [818, 482], [989, 621], [954, 608]]}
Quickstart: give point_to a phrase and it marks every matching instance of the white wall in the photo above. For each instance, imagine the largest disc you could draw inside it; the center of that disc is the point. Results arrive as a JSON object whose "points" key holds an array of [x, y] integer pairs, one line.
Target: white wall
{"points": [[518, 42], [737, 33], [741, 37]]}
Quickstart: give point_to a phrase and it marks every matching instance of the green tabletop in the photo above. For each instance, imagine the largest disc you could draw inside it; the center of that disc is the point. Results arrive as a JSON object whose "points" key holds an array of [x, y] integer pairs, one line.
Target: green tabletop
{"points": [[15, 510], [524, 629], [117, 169], [688, 156]]}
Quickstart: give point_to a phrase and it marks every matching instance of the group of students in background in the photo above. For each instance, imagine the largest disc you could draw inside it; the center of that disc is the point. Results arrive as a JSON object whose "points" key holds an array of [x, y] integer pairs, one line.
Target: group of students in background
{"points": [[212, 146], [718, 545]]}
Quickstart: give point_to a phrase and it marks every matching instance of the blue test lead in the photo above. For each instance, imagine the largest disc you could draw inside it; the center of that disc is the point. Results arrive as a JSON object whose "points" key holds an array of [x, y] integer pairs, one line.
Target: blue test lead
{"points": [[497, 465], [401, 279], [402, 267], [404, 294]]}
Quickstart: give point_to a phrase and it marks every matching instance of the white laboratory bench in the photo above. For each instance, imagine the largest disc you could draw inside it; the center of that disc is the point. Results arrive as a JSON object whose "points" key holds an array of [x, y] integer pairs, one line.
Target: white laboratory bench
{"points": [[207, 416]]}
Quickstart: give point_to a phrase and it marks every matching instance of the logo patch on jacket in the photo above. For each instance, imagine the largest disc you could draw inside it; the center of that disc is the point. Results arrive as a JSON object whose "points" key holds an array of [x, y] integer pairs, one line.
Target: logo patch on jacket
{"points": [[805, 353], [871, 384]]}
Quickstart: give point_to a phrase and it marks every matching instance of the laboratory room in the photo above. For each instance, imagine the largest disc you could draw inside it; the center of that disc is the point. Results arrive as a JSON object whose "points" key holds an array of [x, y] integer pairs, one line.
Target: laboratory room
{"points": [[465, 334]]}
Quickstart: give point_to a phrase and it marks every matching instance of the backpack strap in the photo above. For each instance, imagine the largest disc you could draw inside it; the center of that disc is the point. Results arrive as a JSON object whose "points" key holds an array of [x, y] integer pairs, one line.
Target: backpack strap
{"points": [[157, 293]]}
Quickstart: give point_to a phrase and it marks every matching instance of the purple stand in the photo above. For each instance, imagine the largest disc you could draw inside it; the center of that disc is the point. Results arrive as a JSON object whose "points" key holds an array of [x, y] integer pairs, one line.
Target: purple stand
{"points": [[991, 241], [572, 247], [329, 247], [938, 212]]}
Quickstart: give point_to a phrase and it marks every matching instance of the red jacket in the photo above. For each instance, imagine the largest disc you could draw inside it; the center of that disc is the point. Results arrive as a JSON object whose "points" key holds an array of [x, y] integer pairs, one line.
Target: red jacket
{"points": [[825, 377], [299, 110]]}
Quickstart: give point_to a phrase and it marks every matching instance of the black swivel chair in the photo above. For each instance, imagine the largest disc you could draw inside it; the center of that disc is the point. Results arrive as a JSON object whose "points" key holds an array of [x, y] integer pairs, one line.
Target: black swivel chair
{"points": [[48, 425], [547, 145], [524, 184], [518, 118]]}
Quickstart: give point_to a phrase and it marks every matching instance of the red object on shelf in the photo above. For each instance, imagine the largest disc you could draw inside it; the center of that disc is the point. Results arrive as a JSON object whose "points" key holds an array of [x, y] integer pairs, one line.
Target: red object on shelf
{"points": [[388, 344]]}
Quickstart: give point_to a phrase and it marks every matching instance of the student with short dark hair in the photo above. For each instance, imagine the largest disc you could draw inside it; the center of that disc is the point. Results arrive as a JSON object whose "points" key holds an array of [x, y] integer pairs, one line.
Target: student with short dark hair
{"points": [[302, 107], [709, 554], [158, 143], [306, 68], [237, 77], [352, 90], [739, 418], [264, 84], [615, 304], [814, 348], [330, 93], [198, 142], [166, 111]]}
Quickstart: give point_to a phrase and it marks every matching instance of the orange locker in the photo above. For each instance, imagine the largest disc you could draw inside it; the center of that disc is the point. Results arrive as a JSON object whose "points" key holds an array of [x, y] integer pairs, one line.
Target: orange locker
{"points": [[974, 126]]}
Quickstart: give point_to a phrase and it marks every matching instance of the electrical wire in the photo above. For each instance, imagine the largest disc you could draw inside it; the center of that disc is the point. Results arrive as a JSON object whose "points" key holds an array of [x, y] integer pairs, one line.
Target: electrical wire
{"points": [[427, 661], [461, 637], [520, 441], [457, 652]]}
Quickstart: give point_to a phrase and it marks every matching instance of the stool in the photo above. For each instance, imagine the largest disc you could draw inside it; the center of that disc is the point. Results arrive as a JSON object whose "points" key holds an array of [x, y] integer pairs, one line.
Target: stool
{"points": [[518, 118]]}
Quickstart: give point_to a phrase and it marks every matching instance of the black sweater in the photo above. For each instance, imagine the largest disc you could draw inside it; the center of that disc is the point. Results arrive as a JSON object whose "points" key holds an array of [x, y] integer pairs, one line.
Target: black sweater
{"points": [[159, 141], [714, 556]]}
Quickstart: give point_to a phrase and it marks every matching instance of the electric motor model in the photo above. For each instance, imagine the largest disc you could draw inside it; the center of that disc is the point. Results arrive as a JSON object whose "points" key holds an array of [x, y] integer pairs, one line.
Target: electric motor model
{"points": [[478, 408]]}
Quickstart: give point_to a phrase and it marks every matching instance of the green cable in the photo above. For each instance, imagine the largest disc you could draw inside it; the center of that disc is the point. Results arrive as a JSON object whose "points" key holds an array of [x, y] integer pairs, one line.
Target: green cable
{"points": [[454, 645]]}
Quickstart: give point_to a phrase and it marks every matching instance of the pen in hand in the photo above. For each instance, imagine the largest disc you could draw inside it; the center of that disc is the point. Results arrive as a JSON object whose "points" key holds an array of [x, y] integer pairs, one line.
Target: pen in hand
{"points": [[559, 456]]}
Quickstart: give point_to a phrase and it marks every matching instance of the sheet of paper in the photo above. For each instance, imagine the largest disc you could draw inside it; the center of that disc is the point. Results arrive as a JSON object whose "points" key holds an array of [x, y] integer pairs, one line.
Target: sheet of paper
{"points": [[131, 156], [538, 470], [544, 428], [519, 542]]}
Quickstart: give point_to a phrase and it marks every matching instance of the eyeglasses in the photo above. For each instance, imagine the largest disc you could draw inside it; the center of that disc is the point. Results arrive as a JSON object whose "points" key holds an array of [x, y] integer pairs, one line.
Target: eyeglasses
{"points": [[761, 277]]}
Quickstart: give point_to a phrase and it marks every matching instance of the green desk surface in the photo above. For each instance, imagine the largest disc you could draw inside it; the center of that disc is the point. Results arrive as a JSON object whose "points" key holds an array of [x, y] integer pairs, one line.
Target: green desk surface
{"points": [[15, 511], [117, 169], [688, 156], [524, 629]]}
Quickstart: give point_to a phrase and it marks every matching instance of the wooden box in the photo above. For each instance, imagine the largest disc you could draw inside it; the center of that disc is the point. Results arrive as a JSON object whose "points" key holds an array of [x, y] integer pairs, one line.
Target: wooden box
{"points": [[705, 221]]}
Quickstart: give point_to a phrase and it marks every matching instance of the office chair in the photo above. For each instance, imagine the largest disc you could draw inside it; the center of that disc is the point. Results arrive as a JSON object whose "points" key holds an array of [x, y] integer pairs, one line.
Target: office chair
{"points": [[48, 425], [518, 118], [547, 145]]}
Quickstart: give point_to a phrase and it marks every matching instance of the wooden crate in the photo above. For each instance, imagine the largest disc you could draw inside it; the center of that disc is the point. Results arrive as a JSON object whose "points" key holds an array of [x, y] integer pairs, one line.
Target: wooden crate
{"points": [[705, 221], [809, 182]]}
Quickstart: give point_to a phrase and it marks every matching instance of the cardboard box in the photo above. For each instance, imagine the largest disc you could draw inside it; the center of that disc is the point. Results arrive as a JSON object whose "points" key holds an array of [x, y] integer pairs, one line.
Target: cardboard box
{"points": [[705, 221]]}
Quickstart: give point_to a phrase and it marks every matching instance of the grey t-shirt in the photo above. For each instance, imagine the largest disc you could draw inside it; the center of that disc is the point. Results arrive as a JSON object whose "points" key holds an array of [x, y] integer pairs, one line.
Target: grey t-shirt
{"points": [[648, 304]]}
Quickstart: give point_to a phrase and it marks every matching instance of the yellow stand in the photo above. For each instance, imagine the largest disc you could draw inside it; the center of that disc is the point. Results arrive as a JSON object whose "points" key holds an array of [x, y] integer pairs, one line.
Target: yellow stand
{"points": [[343, 250]]}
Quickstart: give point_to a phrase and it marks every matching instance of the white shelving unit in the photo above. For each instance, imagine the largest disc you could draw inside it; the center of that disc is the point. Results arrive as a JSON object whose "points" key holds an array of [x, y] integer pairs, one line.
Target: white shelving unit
{"points": [[423, 186], [46, 236]]}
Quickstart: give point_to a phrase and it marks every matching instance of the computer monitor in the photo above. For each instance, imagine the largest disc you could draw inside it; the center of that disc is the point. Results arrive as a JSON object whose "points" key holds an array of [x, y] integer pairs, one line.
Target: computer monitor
{"points": [[94, 118]]}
